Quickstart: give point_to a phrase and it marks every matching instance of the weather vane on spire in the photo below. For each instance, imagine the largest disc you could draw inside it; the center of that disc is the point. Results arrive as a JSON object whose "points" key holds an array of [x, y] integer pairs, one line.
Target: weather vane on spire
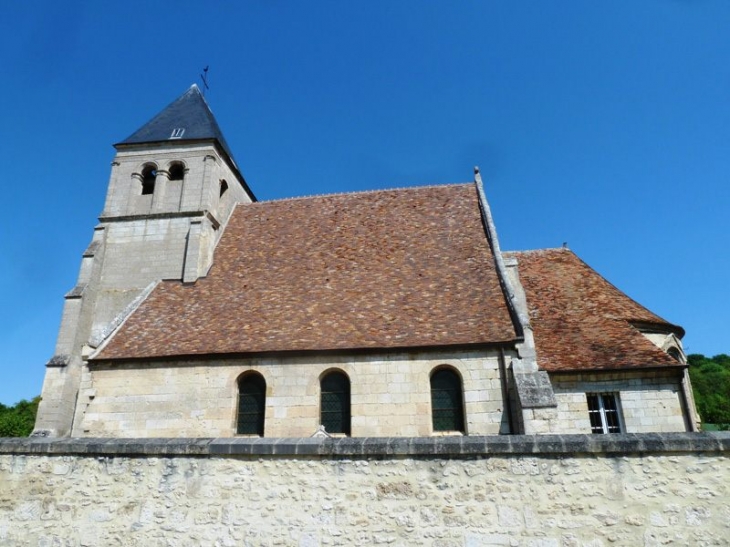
{"points": [[204, 77]]}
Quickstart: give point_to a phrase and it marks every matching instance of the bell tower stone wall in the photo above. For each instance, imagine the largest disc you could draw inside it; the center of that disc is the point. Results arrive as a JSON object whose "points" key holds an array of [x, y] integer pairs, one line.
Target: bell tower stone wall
{"points": [[165, 230]]}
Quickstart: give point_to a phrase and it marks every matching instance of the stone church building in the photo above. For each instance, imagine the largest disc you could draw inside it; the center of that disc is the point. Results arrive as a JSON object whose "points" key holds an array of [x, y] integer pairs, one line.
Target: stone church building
{"points": [[202, 312]]}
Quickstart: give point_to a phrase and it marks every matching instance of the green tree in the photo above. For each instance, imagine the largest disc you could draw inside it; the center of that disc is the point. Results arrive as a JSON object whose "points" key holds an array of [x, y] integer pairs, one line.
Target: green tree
{"points": [[18, 420], [711, 386]]}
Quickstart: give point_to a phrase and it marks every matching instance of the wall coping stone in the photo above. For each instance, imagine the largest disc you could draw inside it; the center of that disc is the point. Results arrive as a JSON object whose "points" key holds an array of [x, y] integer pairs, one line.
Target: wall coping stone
{"points": [[455, 447]]}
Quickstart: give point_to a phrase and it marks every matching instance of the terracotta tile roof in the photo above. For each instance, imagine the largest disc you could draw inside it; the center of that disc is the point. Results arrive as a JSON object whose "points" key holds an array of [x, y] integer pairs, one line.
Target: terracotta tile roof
{"points": [[582, 322], [386, 269]]}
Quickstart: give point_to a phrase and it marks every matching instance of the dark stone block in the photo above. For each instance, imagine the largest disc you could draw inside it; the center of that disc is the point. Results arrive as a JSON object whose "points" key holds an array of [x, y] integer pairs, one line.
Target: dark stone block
{"points": [[652, 442], [229, 446], [423, 446], [58, 361], [340, 446], [375, 446], [199, 446], [473, 445], [577, 444], [400, 446], [220, 446], [135, 448], [257, 446], [550, 444], [76, 292], [283, 446], [707, 442], [522, 444], [447, 446], [723, 439], [500, 444]]}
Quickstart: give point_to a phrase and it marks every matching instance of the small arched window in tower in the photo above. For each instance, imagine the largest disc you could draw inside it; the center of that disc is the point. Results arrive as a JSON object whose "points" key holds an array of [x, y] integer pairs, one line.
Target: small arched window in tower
{"points": [[177, 171], [335, 402], [251, 404], [447, 403], [149, 176], [674, 352], [224, 188]]}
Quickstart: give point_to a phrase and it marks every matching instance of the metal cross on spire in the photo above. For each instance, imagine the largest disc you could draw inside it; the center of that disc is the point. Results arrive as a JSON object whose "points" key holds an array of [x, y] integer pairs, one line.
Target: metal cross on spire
{"points": [[204, 77]]}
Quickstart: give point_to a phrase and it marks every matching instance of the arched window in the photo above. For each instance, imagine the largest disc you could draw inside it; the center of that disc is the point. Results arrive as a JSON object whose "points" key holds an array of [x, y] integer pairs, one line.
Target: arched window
{"points": [[177, 171], [335, 402], [251, 404], [674, 352], [447, 403], [224, 188], [149, 175]]}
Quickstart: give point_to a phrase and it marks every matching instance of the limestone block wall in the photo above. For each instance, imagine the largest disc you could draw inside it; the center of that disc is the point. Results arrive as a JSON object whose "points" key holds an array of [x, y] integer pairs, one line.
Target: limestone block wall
{"points": [[583, 491], [169, 234], [160, 235], [200, 189], [650, 401], [390, 395], [141, 250]]}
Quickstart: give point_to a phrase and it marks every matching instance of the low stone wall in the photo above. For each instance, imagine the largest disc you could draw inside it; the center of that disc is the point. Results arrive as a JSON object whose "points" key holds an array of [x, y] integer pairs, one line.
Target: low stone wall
{"points": [[574, 490]]}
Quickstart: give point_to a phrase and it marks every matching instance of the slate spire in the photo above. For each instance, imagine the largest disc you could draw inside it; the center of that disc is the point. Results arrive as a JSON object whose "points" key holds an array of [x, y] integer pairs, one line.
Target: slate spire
{"points": [[187, 118]]}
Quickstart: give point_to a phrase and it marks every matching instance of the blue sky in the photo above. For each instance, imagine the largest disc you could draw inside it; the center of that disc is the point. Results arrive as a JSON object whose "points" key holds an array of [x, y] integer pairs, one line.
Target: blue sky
{"points": [[605, 125]]}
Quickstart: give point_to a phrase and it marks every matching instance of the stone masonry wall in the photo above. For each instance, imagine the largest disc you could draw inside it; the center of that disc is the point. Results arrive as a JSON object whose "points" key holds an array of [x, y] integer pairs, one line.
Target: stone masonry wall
{"points": [[199, 190], [649, 401], [587, 491], [169, 234], [390, 395]]}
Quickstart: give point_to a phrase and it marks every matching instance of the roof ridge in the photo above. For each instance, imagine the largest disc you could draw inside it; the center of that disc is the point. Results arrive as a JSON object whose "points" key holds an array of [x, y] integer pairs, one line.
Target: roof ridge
{"points": [[362, 192]]}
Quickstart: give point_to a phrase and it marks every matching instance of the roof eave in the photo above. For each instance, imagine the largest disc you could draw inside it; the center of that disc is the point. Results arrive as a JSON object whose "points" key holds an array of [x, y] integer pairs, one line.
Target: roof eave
{"points": [[100, 359], [623, 368], [663, 327]]}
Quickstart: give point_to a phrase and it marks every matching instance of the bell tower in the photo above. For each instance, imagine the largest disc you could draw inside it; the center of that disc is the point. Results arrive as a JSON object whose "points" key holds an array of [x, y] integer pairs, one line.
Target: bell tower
{"points": [[173, 186]]}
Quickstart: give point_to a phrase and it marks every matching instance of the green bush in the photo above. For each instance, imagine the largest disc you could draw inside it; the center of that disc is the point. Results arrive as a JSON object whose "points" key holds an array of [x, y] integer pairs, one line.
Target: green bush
{"points": [[711, 387], [18, 420]]}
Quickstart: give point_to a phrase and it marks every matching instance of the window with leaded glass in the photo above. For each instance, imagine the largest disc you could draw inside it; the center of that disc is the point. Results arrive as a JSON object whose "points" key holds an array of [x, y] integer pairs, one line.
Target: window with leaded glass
{"points": [[335, 402], [603, 411], [447, 404], [251, 404]]}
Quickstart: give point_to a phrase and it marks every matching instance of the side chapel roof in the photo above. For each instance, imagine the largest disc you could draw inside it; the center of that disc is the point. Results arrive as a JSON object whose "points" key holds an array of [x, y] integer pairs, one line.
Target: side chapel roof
{"points": [[581, 321], [385, 269]]}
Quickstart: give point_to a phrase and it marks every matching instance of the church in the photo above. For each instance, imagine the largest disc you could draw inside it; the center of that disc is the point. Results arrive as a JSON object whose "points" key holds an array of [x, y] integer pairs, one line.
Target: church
{"points": [[200, 311]]}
